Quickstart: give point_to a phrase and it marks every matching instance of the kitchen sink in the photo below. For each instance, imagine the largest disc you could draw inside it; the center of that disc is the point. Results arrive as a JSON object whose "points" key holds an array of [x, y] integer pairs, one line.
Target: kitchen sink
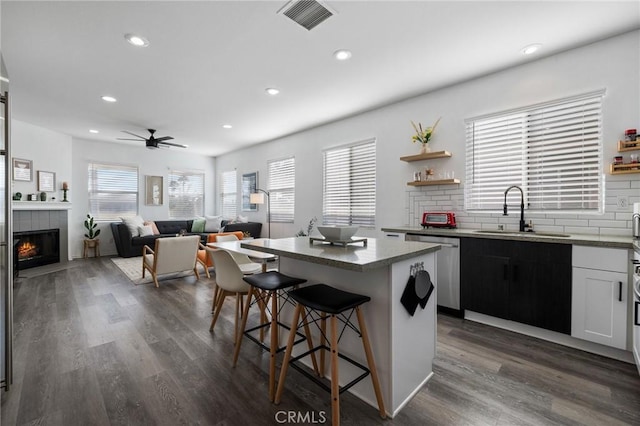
{"points": [[524, 234]]}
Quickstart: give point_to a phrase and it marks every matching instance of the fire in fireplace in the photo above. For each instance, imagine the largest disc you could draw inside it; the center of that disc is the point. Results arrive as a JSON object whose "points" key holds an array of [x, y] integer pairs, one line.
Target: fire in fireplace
{"points": [[37, 248]]}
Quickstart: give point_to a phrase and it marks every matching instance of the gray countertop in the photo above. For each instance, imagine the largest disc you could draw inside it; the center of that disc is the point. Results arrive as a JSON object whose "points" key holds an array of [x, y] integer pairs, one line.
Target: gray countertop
{"points": [[581, 239], [356, 257]]}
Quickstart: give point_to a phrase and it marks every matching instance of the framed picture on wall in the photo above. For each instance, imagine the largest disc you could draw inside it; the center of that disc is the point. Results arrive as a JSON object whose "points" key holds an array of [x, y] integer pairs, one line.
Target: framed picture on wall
{"points": [[154, 190], [46, 181], [22, 170], [249, 186]]}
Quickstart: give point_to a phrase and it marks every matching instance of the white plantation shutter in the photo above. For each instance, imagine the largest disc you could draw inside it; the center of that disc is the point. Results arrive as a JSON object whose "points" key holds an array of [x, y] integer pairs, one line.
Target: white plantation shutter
{"points": [[349, 190], [552, 151], [228, 191], [282, 188], [113, 191], [186, 194]]}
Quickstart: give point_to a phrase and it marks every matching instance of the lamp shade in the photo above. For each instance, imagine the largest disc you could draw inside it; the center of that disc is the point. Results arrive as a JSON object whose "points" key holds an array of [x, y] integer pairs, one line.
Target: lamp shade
{"points": [[256, 198]]}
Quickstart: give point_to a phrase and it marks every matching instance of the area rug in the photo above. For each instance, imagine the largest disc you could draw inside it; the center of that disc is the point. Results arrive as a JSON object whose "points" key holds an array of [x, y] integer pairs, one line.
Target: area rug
{"points": [[132, 268]]}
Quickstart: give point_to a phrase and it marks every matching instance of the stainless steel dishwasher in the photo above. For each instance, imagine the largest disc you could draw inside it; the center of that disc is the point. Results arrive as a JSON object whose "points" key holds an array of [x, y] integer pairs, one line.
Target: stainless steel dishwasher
{"points": [[447, 271]]}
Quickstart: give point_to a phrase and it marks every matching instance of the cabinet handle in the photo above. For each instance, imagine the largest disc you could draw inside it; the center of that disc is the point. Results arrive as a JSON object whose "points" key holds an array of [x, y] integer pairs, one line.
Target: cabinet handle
{"points": [[635, 314], [619, 291]]}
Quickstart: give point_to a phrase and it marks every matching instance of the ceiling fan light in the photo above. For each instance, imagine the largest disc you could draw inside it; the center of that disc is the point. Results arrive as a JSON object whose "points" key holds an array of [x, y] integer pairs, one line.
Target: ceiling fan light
{"points": [[227, 126], [272, 91], [93, 131], [136, 40], [107, 98]]}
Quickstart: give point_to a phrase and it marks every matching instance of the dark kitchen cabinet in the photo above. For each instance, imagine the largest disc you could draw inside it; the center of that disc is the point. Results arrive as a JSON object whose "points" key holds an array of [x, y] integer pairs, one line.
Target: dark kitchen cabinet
{"points": [[520, 281]]}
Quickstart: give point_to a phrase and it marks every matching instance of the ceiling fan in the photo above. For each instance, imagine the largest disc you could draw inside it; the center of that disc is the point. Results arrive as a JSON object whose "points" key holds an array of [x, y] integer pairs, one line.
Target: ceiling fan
{"points": [[153, 142]]}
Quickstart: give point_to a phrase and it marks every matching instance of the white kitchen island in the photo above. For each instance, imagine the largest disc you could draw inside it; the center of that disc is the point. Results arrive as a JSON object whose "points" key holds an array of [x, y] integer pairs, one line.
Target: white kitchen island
{"points": [[403, 345]]}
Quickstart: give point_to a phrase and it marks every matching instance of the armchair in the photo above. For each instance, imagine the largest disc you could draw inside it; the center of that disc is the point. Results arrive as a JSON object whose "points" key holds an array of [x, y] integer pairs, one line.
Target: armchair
{"points": [[171, 254]]}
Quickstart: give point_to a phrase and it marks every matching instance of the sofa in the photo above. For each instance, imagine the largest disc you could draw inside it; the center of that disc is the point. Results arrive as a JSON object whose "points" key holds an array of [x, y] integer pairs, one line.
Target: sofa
{"points": [[130, 246]]}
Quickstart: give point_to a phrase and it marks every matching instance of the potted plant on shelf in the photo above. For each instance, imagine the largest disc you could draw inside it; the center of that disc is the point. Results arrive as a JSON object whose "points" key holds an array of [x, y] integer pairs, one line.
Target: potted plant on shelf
{"points": [[92, 232], [423, 135]]}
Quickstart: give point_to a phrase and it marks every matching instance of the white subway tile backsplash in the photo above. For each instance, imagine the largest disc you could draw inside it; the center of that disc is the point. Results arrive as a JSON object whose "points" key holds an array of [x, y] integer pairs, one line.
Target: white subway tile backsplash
{"points": [[613, 221], [608, 223]]}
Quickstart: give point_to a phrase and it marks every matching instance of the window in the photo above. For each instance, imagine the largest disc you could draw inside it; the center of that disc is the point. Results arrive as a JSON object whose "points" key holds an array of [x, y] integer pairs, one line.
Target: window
{"points": [[552, 151], [113, 191], [349, 190], [282, 188], [228, 190], [186, 194]]}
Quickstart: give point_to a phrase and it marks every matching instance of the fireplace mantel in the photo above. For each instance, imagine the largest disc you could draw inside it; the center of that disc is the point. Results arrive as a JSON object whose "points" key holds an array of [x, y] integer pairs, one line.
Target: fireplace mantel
{"points": [[40, 205]]}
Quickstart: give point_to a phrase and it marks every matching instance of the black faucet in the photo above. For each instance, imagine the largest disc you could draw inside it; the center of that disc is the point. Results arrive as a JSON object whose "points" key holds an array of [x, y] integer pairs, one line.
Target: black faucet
{"points": [[504, 207]]}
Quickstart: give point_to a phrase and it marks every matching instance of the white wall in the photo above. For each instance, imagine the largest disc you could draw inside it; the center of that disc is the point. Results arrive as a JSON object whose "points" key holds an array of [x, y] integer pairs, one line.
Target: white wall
{"points": [[156, 162], [48, 150], [611, 64]]}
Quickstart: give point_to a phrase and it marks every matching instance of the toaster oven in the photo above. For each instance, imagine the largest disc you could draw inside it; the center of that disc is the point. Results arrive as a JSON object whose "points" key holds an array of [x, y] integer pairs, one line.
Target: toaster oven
{"points": [[439, 219]]}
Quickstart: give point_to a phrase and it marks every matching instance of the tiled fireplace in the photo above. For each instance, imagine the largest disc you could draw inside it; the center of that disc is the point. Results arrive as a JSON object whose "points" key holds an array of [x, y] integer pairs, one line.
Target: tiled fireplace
{"points": [[41, 234]]}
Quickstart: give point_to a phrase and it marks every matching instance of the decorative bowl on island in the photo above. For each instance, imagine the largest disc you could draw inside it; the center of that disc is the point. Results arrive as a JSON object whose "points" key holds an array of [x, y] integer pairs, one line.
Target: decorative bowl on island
{"points": [[338, 233]]}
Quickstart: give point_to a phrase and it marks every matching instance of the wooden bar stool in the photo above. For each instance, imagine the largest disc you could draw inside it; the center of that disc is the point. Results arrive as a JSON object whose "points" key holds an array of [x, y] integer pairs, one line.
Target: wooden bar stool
{"points": [[316, 302], [270, 287]]}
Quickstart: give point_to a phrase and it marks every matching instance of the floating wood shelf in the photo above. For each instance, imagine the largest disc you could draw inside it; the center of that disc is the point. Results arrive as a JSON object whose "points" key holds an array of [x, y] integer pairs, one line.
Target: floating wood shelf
{"points": [[427, 156], [619, 169], [628, 146], [434, 182]]}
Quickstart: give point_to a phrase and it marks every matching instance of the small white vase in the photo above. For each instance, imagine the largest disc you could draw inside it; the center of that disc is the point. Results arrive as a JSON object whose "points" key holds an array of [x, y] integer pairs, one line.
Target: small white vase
{"points": [[424, 149]]}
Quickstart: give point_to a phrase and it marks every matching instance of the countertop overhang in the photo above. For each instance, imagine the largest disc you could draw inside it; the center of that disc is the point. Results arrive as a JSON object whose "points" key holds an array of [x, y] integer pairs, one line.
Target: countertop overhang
{"points": [[612, 241], [356, 257]]}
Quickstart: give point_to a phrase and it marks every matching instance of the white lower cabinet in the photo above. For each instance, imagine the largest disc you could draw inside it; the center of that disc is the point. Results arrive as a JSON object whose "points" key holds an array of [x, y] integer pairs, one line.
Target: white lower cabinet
{"points": [[599, 300]]}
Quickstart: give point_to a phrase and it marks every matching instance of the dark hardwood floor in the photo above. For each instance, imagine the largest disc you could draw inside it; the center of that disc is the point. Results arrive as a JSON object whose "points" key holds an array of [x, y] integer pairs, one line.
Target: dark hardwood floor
{"points": [[91, 348]]}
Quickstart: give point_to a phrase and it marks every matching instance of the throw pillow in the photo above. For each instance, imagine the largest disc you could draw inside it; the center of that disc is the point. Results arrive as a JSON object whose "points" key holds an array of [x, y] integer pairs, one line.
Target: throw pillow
{"points": [[153, 226], [132, 223], [145, 231], [213, 223], [198, 225], [243, 219]]}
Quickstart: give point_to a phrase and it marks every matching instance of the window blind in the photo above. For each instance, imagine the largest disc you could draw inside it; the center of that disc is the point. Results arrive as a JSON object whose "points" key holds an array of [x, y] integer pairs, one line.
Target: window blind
{"points": [[282, 185], [113, 191], [186, 194], [349, 187], [228, 191], [552, 151]]}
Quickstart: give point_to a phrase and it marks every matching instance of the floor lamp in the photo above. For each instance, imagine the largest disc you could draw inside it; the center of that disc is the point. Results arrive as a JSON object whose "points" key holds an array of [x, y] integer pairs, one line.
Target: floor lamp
{"points": [[258, 198]]}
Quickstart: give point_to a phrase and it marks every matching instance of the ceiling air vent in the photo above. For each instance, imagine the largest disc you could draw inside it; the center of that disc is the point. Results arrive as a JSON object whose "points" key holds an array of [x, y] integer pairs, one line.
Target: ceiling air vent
{"points": [[307, 13]]}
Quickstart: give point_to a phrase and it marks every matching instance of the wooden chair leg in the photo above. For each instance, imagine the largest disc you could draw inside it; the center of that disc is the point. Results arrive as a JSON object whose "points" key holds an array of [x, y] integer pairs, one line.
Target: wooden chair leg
{"points": [[371, 363], [323, 341], [243, 327], [195, 271], [155, 279], [307, 333], [335, 379], [235, 318], [273, 346], [287, 353], [223, 295]]}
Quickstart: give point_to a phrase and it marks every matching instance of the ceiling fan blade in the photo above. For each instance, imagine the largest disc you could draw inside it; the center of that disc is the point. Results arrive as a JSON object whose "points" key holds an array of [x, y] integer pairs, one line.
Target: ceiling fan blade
{"points": [[173, 144], [164, 138], [133, 134], [128, 139]]}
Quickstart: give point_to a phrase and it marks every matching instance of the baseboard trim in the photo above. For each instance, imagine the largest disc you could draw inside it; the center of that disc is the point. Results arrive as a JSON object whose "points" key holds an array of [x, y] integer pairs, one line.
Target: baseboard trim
{"points": [[551, 336]]}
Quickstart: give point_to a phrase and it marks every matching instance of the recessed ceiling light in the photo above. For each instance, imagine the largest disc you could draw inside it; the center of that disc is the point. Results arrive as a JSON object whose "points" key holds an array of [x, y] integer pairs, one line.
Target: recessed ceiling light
{"points": [[227, 126], [272, 91], [532, 48], [136, 40], [342, 54], [94, 131], [109, 99]]}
